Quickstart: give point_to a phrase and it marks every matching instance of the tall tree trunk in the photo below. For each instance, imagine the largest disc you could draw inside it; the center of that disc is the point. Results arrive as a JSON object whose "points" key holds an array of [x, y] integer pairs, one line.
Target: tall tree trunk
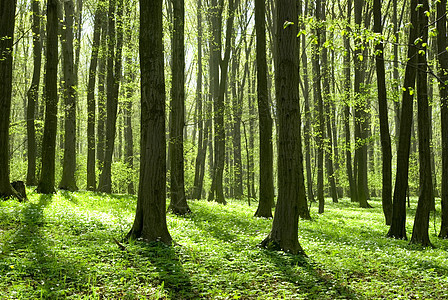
{"points": [[200, 157], [347, 104], [266, 184], [317, 92], [328, 144], [360, 112], [420, 233], [284, 232], [307, 116], [114, 60], [396, 76], [237, 113], [47, 177], [33, 94], [398, 227], [383, 116], [443, 89], [91, 170], [101, 119], [68, 181], [7, 20], [150, 216], [178, 203]]}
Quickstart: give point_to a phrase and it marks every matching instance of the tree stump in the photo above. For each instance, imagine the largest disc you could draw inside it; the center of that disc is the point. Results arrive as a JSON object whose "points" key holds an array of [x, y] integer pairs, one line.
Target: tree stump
{"points": [[19, 186]]}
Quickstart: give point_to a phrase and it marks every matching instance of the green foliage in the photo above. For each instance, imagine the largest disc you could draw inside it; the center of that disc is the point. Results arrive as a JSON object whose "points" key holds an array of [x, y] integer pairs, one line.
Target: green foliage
{"points": [[61, 247]]}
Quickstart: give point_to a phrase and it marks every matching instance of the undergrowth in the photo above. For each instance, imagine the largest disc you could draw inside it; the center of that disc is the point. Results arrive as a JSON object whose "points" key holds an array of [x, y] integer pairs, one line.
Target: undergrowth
{"points": [[62, 247]]}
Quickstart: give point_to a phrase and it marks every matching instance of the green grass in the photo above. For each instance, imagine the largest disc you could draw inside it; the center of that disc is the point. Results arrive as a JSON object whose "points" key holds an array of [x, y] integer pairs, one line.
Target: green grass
{"points": [[61, 246]]}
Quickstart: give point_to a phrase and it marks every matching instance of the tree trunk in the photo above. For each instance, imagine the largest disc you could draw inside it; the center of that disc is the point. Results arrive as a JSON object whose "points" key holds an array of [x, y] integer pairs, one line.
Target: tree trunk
{"points": [[317, 91], [7, 20], [150, 217], [91, 170], [47, 179], [328, 144], [420, 233], [200, 157], [383, 116], [113, 78], [360, 113], [284, 230], [101, 120], [68, 181], [178, 203], [33, 95], [266, 185], [443, 88], [398, 227]]}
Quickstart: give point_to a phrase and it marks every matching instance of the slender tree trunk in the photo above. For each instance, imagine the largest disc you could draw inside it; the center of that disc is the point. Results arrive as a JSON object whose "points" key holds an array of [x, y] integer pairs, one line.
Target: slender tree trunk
{"points": [[68, 181], [396, 76], [266, 184], [101, 119], [347, 104], [7, 20], [47, 179], [200, 157], [384, 118], [317, 91], [113, 78], [91, 170], [443, 89], [150, 217], [178, 203], [284, 232], [360, 113], [398, 227], [33, 94], [328, 144], [420, 233]]}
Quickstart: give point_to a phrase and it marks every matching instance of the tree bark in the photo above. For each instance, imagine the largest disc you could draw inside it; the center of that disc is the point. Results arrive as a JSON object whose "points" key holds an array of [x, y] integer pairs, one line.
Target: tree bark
{"points": [[7, 21], [266, 184], [284, 232], [360, 113], [91, 170], [150, 218], [443, 89], [114, 60], [33, 94], [101, 119], [383, 116], [398, 227], [68, 181], [317, 92], [47, 179], [178, 203], [420, 233]]}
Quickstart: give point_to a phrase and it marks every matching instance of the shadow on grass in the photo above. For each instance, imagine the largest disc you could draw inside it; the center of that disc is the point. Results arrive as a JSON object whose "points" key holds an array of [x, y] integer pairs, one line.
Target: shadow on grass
{"points": [[39, 270], [169, 269], [70, 196], [311, 280]]}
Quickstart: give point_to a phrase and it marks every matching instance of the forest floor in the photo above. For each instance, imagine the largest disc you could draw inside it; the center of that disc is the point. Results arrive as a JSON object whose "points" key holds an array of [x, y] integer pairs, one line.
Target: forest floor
{"points": [[62, 247]]}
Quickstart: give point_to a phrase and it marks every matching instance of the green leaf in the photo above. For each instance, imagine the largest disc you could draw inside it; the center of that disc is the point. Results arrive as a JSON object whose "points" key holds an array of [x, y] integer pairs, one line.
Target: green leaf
{"points": [[287, 24]]}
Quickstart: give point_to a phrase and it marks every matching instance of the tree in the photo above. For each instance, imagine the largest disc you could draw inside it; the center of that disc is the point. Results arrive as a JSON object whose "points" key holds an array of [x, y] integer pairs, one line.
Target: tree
{"points": [[317, 92], [265, 121], [150, 217], [443, 88], [47, 179], [33, 94], [386, 194], [68, 181], [178, 203], [426, 198], [91, 170], [114, 60], [7, 21], [360, 111], [284, 232], [398, 226]]}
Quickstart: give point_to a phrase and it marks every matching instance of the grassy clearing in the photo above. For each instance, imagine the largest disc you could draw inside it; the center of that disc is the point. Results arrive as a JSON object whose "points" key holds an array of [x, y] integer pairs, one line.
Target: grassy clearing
{"points": [[61, 246]]}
